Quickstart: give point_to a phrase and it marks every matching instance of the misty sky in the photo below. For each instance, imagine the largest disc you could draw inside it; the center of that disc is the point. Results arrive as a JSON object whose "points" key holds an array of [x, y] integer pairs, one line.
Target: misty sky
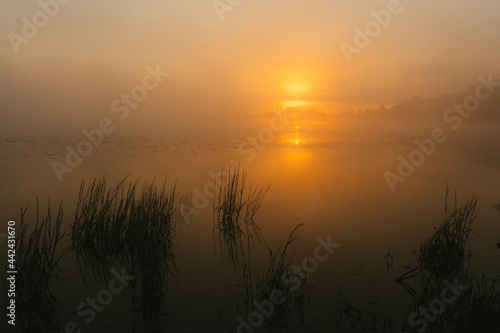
{"points": [[262, 54]]}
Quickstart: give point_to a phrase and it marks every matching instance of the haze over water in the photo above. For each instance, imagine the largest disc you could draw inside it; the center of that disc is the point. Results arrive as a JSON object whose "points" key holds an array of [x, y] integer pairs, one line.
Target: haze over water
{"points": [[356, 115]]}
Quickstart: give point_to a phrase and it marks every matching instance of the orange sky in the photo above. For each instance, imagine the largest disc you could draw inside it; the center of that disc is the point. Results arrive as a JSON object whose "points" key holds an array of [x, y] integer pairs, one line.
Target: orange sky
{"points": [[262, 54]]}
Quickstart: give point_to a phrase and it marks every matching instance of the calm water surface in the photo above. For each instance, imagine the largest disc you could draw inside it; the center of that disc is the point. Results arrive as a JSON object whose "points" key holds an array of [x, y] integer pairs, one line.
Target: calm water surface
{"points": [[330, 181]]}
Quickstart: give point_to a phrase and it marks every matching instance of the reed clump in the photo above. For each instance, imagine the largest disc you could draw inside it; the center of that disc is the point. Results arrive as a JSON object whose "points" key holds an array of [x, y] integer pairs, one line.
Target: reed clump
{"points": [[125, 226], [234, 212], [278, 278], [446, 253], [36, 262], [97, 233], [237, 234], [444, 260]]}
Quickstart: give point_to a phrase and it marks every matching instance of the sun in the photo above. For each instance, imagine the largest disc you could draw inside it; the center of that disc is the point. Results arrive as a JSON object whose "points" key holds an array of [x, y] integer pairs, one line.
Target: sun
{"points": [[294, 87], [295, 95]]}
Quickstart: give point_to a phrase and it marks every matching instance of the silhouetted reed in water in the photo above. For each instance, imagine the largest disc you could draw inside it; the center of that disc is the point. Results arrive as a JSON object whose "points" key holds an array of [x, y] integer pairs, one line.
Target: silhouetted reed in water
{"points": [[36, 263], [234, 212], [237, 234], [444, 268], [277, 289], [446, 296], [356, 319], [101, 219], [124, 226], [293, 289], [443, 256], [151, 237]]}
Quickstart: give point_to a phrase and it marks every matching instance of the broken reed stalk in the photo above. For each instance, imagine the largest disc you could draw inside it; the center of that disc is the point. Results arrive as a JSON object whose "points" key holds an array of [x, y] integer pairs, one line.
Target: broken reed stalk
{"points": [[278, 277]]}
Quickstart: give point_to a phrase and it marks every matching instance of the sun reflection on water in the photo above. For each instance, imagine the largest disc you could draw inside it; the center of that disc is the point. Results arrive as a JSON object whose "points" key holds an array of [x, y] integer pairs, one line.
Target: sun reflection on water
{"points": [[293, 136], [296, 137]]}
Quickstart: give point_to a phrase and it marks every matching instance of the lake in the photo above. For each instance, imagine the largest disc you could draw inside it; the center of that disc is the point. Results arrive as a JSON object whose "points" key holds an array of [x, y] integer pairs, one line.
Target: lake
{"points": [[332, 181]]}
